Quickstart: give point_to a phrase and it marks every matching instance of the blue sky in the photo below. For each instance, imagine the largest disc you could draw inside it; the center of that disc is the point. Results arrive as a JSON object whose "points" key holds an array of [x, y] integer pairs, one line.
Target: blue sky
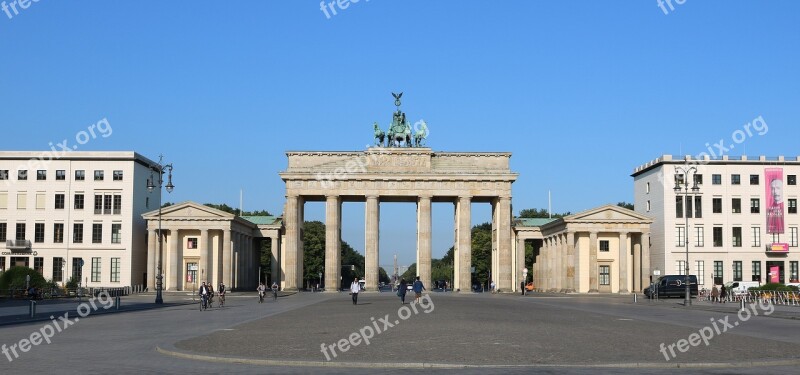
{"points": [[580, 92]]}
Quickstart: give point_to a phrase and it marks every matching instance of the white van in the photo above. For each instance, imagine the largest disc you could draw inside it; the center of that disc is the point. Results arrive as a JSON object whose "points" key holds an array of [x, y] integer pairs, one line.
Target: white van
{"points": [[740, 287]]}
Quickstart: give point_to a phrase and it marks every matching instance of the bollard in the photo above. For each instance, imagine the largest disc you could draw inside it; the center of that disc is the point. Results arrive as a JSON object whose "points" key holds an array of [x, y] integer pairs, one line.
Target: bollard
{"points": [[33, 308], [635, 298], [117, 303], [742, 304]]}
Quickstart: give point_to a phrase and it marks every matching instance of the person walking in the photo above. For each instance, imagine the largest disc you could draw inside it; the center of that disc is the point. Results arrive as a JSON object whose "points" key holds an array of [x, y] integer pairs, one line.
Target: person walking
{"points": [[492, 287], [418, 288], [401, 291], [714, 294], [355, 287], [274, 291], [204, 292], [723, 294]]}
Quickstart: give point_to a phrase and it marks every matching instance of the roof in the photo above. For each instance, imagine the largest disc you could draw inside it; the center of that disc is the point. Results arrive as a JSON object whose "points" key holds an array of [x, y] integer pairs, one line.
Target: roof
{"points": [[533, 221], [261, 220]]}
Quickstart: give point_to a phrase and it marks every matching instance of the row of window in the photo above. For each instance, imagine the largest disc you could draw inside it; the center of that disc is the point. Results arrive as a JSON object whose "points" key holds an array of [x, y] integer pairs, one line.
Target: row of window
{"points": [[693, 206], [736, 179], [738, 274], [736, 236], [58, 232], [115, 267], [61, 175], [104, 203]]}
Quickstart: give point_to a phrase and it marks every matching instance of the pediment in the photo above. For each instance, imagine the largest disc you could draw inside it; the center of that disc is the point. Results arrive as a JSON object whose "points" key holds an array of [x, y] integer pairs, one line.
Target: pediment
{"points": [[189, 210], [608, 213]]}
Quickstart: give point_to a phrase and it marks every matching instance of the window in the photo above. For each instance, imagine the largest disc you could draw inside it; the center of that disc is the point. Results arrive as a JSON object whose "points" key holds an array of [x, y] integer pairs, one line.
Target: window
{"points": [[77, 233], [717, 232], [791, 179], [680, 267], [117, 204], [80, 175], [115, 262], [603, 245], [736, 179], [688, 206], [753, 179], [191, 243], [647, 188], [107, 204], [3, 232], [648, 206], [58, 233], [698, 179], [38, 265], [755, 205], [699, 236], [97, 233], [61, 175], [3, 174], [77, 270], [117, 175], [678, 206], [736, 205], [792, 206], [3, 200], [756, 236], [38, 232], [756, 270], [700, 271], [59, 201], [78, 201], [716, 179], [698, 206], [22, 201], [20, 231], [116, 233], [716, 205], [679, 237], [793, 271], [98, 204], [737, 236], [96, 270], [605, 275], [98, 175], [718, 275], [22, 175], [191, 272], [58, 269], [41, 175], [793, 236], [40, 201], [737, 270]]}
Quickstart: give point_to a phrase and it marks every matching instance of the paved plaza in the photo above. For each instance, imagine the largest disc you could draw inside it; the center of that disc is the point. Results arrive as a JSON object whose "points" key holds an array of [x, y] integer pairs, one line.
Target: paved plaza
{"points": [[446, 332]]}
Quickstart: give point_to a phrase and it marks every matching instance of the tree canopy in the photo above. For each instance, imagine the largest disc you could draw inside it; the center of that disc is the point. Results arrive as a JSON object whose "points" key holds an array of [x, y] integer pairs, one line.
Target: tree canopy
{"points": [[235, 211], [540, 213]]}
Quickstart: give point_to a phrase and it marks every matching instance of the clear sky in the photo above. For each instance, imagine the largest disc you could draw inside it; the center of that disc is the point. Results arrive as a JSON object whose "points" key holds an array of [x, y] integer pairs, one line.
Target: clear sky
{"points": [[580, 92]]}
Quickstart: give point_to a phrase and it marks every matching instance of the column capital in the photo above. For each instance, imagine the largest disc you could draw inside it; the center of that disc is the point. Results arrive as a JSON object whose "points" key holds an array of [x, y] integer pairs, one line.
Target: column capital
{"points": [[504, 197], [372, 196], [465, 198], [332, 196], [425, 196]]}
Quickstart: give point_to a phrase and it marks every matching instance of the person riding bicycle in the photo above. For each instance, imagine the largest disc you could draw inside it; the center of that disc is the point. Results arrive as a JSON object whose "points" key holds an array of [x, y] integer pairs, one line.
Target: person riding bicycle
{"points": [[204, 294], [221, 291], [210, 295], [261, 289], [274, 290]]}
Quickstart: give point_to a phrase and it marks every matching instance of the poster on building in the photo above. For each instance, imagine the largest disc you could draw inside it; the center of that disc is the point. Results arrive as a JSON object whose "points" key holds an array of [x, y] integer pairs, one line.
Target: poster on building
{"points": [[773, 178]]}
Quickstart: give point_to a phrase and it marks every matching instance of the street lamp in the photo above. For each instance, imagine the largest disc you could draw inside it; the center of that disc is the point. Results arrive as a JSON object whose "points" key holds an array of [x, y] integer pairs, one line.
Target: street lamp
{"points": [[682, 189], [150, 187]]}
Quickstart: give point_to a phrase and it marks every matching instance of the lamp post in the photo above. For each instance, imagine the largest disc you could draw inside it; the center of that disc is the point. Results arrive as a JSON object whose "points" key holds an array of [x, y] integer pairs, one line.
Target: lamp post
{"points": [[682, 189], [150, 187]]}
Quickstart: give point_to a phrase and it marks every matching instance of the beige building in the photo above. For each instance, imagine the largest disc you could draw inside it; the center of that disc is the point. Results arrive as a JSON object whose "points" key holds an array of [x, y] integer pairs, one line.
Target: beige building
{"points": [[729, 235]]}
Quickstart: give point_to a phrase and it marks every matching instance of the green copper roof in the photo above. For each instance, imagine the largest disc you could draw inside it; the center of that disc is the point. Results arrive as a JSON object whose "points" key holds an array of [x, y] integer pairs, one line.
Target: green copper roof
{"points": [[532, 221], [260, 220]]}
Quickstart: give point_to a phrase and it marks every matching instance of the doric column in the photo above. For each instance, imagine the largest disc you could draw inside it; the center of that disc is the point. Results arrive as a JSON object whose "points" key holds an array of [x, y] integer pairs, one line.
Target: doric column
{"points": [[176, 260], [292, 225], [505, 281], [227, 259], [372, 240], [644, 240], [623, 262], [206, 270], [152, 253], [464, 243], [424, 240], [593, 270], [572, 263], [545, 264], [562, 263], [274, 260], [249, 263], [333, 249], [636, 268], [521, 254]]}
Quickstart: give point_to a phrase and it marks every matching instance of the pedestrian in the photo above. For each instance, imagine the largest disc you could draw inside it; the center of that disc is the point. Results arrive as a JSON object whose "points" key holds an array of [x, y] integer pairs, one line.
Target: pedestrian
{"points": [[722, 294], [401, 291], [714, 294], [355, 287], [261, 289], [418, 288], [492, 287]]}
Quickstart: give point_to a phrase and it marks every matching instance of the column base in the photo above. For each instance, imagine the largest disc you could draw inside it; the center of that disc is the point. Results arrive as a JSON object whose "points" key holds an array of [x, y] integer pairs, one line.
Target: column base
{"points": [[624, 291], [594, 291]]}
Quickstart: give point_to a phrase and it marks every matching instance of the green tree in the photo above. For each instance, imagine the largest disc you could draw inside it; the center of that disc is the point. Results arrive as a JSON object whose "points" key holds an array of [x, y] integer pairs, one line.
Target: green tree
{"points": [[625, 205], [540, 213], [15, 278], [224, 207]]}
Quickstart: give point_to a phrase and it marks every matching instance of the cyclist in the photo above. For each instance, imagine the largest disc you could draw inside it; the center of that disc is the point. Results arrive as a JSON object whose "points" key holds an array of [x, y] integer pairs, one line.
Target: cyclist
{"points": [[204, 294], [210, 295], [221, 291], [274, 291], [261, 289]]}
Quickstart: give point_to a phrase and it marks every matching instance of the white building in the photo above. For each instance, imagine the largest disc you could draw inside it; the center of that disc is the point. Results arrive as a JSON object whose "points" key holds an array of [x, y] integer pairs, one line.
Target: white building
{"points": [[81, 208], [728, 233]]}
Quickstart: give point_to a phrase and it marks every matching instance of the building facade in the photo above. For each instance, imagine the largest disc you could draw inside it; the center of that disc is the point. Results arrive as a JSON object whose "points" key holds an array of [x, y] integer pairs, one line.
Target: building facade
{"points": [[742, 217], [76, 215]]}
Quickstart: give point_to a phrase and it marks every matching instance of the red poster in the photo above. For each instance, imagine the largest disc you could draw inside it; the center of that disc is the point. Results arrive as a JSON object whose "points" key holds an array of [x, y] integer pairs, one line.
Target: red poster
{"points": [[773, 183], [774, 274]]}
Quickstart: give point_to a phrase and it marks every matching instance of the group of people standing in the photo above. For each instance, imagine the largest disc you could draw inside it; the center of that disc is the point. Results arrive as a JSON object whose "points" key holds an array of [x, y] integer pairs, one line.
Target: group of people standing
{"points": [[417, 287], [718, 295]]}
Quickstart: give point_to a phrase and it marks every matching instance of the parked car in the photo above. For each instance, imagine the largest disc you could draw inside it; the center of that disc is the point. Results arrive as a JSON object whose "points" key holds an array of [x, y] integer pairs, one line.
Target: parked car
{"points": [[672, 286], [737, 288]]}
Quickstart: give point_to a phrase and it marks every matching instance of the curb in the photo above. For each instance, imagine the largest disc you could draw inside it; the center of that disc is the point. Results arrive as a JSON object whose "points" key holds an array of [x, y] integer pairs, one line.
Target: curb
{"points": [[41, 317]]}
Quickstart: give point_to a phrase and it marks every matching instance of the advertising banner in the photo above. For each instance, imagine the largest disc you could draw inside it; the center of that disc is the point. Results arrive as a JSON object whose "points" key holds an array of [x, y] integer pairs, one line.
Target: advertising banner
{"points": [[773, 183]]}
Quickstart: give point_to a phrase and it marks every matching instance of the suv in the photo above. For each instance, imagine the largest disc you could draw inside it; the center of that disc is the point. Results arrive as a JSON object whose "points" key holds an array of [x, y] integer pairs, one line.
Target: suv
{"points": [[672, 286]]}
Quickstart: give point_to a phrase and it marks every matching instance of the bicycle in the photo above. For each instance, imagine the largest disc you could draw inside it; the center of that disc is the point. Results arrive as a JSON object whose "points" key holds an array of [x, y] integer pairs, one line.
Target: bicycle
{"points": [[221, 299], [260, 296], [274, 295]]}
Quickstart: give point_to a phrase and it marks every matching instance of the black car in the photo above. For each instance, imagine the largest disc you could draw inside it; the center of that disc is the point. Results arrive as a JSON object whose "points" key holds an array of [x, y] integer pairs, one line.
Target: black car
{"points": [[672, 286]]}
